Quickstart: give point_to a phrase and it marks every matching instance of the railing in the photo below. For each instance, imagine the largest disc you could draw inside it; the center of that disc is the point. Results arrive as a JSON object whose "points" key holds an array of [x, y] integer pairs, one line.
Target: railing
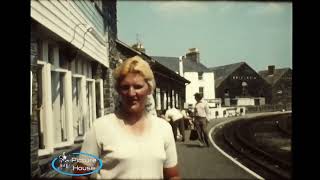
{"points": [[269, 108]]}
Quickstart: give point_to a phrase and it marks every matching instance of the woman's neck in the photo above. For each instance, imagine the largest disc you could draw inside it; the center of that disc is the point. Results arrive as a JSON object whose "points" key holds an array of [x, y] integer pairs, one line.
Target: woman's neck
{"points": [[132, 118]]}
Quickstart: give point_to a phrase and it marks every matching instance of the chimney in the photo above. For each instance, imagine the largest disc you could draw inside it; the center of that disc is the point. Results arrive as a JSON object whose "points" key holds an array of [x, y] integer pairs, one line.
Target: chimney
{"points": [[181, 65], [139, 47], [193, 55], [271, 69]]}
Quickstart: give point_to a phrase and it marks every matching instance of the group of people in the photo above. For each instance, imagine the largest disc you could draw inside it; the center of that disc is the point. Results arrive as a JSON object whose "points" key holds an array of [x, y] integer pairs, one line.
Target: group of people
{"points": [[179, 118], [133, 142]]}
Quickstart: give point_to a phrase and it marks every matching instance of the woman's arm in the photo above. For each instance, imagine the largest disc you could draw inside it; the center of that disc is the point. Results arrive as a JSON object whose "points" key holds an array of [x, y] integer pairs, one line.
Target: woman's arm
{"points": [[171, 173], [80, 172], [170, 166], [88, 146]]}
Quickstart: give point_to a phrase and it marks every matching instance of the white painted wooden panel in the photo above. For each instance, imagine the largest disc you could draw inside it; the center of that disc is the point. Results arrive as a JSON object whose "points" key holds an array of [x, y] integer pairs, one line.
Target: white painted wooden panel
{"points": [[91, 13], [75, 14], [66, 13], [64, 18], [75, 18]]}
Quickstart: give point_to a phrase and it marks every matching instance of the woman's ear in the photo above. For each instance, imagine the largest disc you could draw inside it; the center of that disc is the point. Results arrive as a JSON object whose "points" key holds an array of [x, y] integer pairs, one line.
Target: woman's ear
{"points": [[149, 90]]}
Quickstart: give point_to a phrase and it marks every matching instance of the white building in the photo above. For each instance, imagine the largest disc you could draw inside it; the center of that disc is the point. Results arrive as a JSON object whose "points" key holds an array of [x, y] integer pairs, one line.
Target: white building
{"points": [[202, 80], [70, 46]]}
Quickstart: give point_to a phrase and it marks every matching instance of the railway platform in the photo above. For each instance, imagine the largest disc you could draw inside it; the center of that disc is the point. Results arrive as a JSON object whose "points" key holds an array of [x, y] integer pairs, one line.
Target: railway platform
{"points": [[197, 162]]}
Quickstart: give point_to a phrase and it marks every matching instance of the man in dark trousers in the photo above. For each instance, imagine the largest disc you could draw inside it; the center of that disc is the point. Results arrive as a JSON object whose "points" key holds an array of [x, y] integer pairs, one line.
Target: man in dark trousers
{"points": [[201, 112]]}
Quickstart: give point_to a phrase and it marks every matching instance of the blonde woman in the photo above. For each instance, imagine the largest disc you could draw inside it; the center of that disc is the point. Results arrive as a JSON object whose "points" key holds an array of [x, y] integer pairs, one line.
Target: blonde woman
{"points": [[132, 143]]}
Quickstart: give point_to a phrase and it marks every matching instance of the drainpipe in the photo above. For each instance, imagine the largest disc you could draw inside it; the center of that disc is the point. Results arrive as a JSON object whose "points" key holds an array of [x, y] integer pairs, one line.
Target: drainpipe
{"points": [[181, 65]]}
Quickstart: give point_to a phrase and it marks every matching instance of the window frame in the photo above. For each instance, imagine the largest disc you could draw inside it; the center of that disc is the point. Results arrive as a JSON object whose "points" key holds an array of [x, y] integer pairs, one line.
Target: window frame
{"points": [[201, 87], [200, 76]]}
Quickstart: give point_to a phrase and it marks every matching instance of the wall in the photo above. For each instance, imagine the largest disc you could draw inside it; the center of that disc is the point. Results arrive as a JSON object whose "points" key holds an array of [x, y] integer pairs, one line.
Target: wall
{"points": [[226, 112], [34, 120], [193, 87], [285, 85], [208, 84], [245, 101]]}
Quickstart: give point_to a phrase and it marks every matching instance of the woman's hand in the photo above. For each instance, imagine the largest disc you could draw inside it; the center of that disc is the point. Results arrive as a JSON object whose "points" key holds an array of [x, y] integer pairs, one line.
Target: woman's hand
{"points": [[80, 172], [171, 173]]}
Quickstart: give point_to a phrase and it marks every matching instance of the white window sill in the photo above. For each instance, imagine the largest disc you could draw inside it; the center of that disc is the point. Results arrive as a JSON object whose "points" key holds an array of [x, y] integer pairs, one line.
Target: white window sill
{"points": [[63, 144], [44, 152]]}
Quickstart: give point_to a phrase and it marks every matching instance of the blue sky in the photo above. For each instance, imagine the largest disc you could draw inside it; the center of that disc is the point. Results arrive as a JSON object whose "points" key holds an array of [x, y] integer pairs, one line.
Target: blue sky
{"points": [[258, 33]]}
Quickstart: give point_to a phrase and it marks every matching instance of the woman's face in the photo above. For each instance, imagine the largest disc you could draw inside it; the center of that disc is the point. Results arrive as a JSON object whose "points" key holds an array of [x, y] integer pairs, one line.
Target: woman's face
{"points": [[133, 90]]}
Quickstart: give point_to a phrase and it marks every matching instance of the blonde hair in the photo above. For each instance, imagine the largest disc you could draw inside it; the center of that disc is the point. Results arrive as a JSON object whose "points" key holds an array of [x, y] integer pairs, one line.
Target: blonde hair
{"points": [[134, 65]]}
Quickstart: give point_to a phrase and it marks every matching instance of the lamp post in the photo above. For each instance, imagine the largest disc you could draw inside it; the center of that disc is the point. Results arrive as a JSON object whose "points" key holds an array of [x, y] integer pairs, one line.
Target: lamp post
{"points": [[279, 93], [244, 86]]}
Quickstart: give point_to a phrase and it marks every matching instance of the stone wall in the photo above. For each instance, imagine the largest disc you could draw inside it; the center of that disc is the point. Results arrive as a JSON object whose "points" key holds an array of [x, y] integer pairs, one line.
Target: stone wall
{"points": [[34, 118], [109, 102]]}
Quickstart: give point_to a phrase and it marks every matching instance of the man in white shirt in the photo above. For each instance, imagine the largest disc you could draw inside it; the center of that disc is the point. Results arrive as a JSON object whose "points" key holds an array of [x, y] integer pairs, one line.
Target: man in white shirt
{"points": [[201, 115], [175, 118]]}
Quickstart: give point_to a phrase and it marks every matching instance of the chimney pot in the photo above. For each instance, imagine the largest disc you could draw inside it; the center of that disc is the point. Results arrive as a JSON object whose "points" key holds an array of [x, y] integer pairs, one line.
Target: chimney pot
{"points": [[193, 54], [271, 69]]}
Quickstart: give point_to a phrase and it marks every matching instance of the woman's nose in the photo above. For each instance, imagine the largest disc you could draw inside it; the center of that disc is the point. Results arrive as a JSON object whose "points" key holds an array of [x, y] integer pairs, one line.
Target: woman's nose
{"points": [[131, 91]]}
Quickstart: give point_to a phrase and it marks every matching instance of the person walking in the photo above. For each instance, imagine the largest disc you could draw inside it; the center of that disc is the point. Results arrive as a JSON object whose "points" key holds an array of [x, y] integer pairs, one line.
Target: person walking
{"points": [[201, 114]]}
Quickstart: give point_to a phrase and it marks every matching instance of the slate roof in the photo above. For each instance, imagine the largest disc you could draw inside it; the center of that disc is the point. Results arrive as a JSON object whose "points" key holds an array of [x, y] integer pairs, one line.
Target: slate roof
{"points": [[272, 79], [188, 65], [151, 60], [222, 72]]}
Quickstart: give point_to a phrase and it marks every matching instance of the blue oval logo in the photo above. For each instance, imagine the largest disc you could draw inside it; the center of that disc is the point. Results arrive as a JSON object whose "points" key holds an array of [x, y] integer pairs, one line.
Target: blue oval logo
{"points": [[66, 164]]}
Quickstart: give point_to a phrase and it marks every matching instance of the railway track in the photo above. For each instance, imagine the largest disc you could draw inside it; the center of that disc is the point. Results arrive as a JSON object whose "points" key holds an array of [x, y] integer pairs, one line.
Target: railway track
{"points": [[256, 143]]}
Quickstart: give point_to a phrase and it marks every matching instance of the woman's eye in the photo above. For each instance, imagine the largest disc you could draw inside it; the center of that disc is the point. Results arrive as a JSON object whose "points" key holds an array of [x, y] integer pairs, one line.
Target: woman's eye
{"points": [[138, 86], [124, 87]]}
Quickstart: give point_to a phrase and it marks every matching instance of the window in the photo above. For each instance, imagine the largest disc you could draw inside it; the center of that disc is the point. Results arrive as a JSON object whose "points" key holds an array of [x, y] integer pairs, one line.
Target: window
{"points": [[201, 90], [200, 75], [51, 54], [226, 92], [217, 114], [244, 88]]}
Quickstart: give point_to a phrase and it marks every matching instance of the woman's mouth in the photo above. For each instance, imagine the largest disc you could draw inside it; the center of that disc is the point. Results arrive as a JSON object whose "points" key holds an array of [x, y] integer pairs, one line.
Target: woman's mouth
{"points": [[132, 102]]}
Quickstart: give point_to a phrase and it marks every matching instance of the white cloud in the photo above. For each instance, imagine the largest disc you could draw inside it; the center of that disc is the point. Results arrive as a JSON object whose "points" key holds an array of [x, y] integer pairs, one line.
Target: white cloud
{"points": [[176, 8], [267, 8]]}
